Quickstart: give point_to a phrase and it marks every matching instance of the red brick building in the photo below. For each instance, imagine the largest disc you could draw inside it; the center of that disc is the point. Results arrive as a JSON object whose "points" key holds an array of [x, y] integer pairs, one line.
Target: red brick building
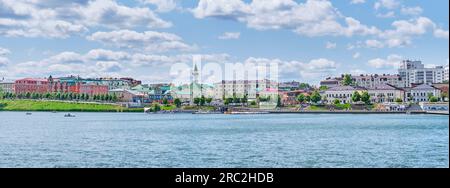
{"points": [[51, 85], [31, 85]]}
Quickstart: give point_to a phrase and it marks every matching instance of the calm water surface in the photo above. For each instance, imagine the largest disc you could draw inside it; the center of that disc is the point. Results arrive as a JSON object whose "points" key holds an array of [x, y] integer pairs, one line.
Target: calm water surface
{"points": [[186, 140]]}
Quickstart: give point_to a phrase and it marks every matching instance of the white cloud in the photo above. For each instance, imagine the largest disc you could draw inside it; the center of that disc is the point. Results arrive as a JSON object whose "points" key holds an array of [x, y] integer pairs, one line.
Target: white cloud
{"points": [[356, 55], [390, 14], [149, 41], [440, 33], [330, 45], [312, 71], [392, 61], [106, 63], [4, 51], [311, 18], [374, 44], [412, 11], [230, 35], [3, 61], [388, 4], [54, 19], [162, 5], [357, 1]]}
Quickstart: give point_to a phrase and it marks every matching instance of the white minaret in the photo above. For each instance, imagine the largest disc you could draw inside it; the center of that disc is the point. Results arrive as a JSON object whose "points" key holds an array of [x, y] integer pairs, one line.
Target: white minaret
{"points": [[195, 75]]}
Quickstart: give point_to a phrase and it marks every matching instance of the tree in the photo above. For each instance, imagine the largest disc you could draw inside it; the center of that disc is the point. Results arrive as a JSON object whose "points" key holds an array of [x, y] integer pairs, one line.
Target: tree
{"points": [[323, 88], [244, 99], [433, 99], [236, 100], [398, 100], [307, 98], [202, 101], [28, 95], [304, 86], [430, 96], [197, 101], [114, 97], [336, 102], [365, 97], [165, 102], [315, 97], [347, 80], [156, 107], [177, 102], [301, 98], [228, 101], [279, 101], [356, 97], [209, 100]]}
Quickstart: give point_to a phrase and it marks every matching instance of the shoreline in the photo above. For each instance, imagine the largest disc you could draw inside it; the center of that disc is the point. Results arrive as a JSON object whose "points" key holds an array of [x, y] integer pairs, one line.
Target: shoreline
{"points": [[244, 112]]}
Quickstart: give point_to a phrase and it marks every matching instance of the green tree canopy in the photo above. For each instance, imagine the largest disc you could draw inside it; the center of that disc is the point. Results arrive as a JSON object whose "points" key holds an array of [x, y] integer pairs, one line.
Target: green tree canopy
{"points": [[356, 97], [301, 98], [347, 80], [365, 97], [315, 97]]}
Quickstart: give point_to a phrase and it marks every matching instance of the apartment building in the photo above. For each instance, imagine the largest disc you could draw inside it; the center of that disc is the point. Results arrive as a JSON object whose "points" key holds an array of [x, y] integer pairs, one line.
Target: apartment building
{"points": [[241, 88], [414, 72]]}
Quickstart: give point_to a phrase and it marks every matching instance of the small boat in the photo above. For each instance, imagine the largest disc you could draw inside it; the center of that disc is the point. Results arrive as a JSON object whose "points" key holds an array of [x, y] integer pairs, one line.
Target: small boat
{"points": [[28, 113], [69, 115]]}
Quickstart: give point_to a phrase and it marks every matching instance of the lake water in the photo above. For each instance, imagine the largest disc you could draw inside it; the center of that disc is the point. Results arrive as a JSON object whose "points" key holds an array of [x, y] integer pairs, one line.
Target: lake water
{"points": [[186, 140]]}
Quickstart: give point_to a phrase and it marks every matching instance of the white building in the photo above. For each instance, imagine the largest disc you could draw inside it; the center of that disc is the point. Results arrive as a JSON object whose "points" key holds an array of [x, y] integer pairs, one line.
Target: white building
{"points": [[414, 72], [369, 81], [446, 73], [342, 93], [241, 88], [385, 94], [422, 92], [6, 86]]}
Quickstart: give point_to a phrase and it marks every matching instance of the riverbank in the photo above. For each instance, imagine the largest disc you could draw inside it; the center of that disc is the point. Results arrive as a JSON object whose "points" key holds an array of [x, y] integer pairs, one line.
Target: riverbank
{"points": [[37, 105]]}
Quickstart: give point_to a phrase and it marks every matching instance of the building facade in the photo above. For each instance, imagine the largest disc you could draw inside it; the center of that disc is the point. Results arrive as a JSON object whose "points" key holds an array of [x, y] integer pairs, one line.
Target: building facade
{"points": [[58, 85], [369, 81], [342, 93], [446, 73], [421, 93], [385, 93], [6, 86], [414, 72], [241, 88]]}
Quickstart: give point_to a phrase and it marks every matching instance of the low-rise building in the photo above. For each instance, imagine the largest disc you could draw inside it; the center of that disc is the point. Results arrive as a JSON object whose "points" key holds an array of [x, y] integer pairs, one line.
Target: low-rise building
{"points": [[241, 88], [58, 85], [373, 80], [290, 97], [385, 93], [6, 86], [331, 82], [342, 93], [422, 93], [125, 95]]}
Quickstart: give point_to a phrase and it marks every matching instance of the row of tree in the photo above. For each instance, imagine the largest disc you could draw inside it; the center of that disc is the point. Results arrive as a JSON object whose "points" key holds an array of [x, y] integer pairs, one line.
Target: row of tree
{"points": [[202, 101], [60, 96]]}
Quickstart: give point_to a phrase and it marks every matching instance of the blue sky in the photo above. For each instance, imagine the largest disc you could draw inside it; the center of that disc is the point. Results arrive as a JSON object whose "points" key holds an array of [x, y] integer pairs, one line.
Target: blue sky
{"points": [[310, 39]]}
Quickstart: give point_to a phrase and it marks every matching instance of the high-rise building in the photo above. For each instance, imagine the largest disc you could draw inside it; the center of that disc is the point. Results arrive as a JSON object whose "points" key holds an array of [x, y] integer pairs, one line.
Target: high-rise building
{"points": [[415, 73], [446, 73]]}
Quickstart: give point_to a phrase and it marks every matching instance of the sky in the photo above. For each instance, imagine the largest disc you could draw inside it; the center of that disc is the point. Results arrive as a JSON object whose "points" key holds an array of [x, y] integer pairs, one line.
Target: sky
{"points": [[309, 39]]}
